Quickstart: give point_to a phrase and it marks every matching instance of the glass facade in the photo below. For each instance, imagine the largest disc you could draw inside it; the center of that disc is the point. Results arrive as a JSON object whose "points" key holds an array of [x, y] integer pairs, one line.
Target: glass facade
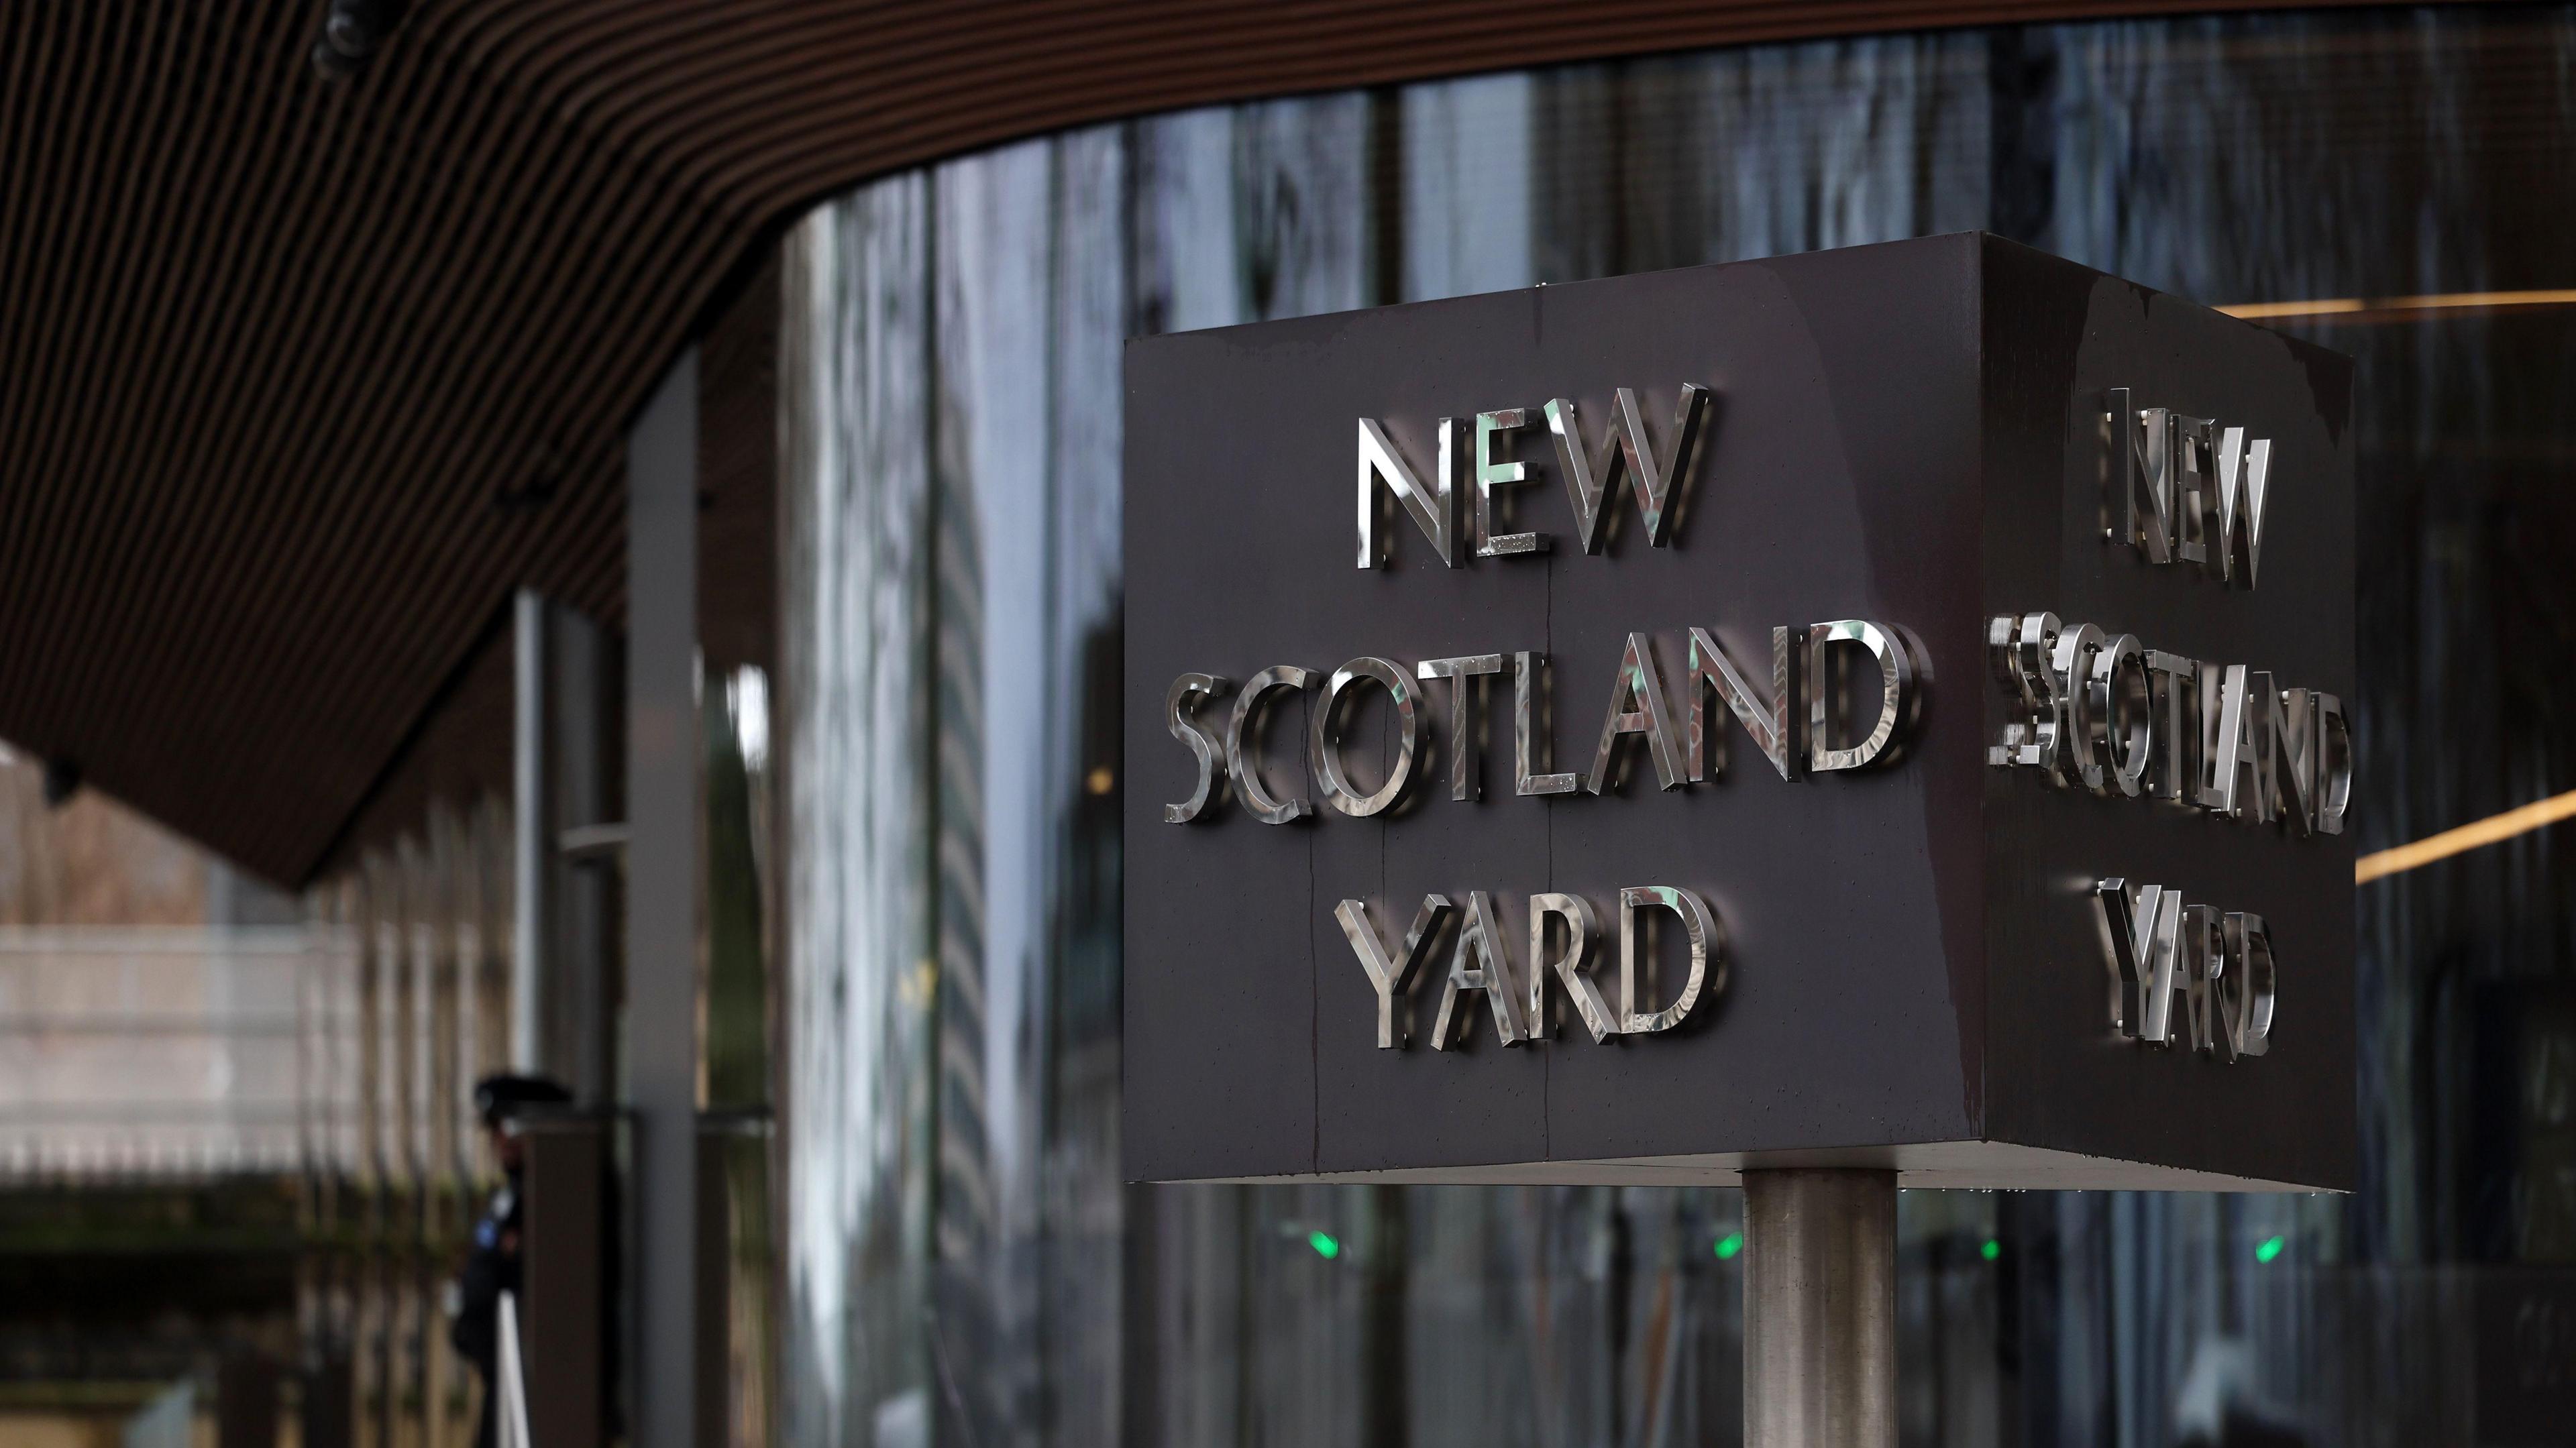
{"points": [[406, 1001], [960, 1261]]}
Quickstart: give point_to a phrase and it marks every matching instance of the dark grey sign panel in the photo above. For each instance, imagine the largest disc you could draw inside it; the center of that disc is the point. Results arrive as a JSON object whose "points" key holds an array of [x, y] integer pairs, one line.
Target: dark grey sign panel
{"points": [[1915, 672]]}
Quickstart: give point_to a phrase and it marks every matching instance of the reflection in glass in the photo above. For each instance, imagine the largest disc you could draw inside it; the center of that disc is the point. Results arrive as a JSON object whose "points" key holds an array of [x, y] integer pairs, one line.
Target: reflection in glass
{"points": [[859, 971], [962, 1262], [737, 798]]}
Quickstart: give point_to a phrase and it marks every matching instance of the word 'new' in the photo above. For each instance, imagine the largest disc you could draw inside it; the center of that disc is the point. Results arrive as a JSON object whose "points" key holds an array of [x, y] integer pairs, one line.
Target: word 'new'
{"points": [[2185, 490], [1591, 472]]}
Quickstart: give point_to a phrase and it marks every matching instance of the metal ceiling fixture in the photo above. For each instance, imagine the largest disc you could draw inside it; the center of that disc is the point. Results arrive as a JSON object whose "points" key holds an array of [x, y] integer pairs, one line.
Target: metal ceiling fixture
{"points": [[353, 33]]}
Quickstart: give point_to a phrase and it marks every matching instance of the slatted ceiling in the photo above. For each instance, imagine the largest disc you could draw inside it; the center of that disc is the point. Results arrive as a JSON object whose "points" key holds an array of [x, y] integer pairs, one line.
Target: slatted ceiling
{"points": [[336, 513], [272, 349]]}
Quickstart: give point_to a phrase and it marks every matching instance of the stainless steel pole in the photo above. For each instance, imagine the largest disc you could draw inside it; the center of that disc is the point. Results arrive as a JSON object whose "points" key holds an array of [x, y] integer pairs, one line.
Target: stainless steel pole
{"points": [[661, 907], [532, 843], [1819, 1309]]}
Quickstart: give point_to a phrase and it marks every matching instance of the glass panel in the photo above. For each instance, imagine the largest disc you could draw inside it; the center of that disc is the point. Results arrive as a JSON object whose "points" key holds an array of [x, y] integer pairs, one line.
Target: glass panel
{"points": [[735, 834], [963, 1263], [861, 972], [401, 1002]]}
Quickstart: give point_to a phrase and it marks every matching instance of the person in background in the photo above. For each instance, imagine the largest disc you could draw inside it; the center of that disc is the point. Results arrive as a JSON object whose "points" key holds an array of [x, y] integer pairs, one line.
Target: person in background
{"points": [[492, 1263]]}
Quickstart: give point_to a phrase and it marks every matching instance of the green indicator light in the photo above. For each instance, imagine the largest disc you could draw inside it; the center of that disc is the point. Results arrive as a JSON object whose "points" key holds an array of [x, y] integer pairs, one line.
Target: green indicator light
{"points": [[1991, 1250], [2270, 1249], [1729, 1245], [1325, 1244]]}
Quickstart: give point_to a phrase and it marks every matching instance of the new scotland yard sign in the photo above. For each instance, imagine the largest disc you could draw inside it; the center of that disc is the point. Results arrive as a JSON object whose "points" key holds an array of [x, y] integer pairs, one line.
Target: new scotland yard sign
{"points": [[1874, 708]]}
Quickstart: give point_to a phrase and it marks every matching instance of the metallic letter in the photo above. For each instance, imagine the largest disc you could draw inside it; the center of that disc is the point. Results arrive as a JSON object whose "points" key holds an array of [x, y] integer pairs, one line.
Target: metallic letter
{"points": [[2334, 762], [1466, 779], [2072, 663], [1572, 968], [2177, 678], [2200, 955], [2247, 1001], [1657, 479], [1324, 740], [1480, 937], [1240, 763], [2237, 522], [2238, 739], [1434, 509], [1391, 977], [2023, 652], [2187, 483], [2138, 942], [1772, 725], [1899, 698], [1704, 946], [1525, 748], [2139, 442], [2290, 721], [1181, 716], [1637, 707], [2116, 755], [1491, 474]]}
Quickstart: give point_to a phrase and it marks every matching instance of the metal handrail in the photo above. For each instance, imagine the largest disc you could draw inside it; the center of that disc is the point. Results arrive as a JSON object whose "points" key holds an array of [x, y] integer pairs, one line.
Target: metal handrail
{"points": [[510, 1379]]}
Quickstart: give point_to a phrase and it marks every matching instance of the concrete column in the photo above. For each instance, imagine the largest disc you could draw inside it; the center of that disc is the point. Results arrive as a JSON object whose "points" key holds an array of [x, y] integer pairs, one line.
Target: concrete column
{"points": [[562, 930]]}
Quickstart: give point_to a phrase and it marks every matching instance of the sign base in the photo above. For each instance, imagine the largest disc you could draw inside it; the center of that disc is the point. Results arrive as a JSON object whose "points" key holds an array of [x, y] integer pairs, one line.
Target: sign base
{"points": [[1935, 1165], [1820, 1309]]}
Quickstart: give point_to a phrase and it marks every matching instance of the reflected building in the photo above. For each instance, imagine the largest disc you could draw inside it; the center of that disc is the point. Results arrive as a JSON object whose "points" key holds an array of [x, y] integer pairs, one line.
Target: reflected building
{"points": [[2255, 159], [974, 1280]]}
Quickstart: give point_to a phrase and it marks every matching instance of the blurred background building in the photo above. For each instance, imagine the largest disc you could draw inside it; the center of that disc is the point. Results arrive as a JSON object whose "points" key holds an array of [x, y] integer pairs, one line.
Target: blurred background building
{"points": [[594, 530], [151, 1083]]}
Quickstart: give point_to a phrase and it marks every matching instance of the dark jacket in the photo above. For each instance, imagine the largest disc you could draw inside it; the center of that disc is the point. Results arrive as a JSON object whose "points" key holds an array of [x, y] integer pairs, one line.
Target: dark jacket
{"points": [[491, 1268]]}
